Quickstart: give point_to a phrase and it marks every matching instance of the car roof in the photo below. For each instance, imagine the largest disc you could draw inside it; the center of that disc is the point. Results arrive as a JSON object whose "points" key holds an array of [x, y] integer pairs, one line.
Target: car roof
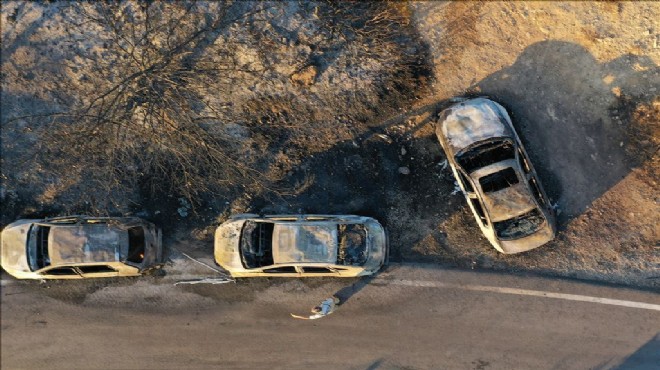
{"points": [[305, 242], [471, 121], [509, 202], [69, 244]]}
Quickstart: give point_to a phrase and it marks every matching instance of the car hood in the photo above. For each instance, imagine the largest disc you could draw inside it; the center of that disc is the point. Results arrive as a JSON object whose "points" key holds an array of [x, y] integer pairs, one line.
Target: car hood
{"points": [[87, 243], [305, 243], [472, 121], [14, 240], [226, 250]]}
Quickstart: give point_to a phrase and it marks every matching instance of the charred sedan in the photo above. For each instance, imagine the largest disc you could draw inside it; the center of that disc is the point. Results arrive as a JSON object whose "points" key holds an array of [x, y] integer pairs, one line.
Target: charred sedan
{"points": [[80, 247], [495, 175], [301, 245]]}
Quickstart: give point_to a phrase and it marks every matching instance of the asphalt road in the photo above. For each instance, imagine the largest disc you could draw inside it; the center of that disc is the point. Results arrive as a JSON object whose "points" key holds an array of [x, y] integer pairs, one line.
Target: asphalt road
{"points": [[410, 317]]}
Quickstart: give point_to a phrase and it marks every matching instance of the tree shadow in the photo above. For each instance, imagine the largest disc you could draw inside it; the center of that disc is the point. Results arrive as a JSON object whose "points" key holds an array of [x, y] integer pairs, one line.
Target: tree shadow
{"points": [[569, 111]]}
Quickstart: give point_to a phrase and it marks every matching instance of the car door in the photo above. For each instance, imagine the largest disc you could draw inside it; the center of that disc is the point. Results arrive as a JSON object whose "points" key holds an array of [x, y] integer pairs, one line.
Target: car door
{"points": [[473, 200], [532, 180]]}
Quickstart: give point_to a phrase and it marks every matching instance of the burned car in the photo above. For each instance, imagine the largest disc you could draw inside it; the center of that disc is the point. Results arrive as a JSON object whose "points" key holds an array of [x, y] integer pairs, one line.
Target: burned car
{"points": [[495, 175], [80, 247], [301, 245]]}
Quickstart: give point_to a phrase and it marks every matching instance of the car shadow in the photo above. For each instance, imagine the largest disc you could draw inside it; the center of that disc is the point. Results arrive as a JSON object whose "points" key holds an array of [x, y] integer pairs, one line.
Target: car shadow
{"points": [[344, 294], [572, 113], [646, 357]]}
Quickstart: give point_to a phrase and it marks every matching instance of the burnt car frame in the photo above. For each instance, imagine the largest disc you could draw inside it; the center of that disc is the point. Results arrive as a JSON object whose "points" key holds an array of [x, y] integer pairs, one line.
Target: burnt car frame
{"points": [[75, 247], [495, 174], [249, 245]]}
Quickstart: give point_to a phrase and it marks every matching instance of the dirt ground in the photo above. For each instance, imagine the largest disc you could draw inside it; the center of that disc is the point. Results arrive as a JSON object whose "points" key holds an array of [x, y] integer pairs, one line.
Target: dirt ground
{"points": [[580, 80]]}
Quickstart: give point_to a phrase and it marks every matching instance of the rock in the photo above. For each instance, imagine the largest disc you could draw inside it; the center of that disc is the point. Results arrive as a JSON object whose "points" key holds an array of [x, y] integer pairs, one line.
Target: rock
{"points": [[403, 151], [305, 76], [404, 170]]}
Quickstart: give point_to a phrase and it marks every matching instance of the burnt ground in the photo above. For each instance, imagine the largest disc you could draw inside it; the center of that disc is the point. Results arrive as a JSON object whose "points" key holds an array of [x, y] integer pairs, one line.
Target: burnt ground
{"points": [[580, 81]]}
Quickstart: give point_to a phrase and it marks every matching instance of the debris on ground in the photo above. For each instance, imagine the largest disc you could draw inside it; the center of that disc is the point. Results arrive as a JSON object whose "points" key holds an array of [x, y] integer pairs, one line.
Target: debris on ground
{"points": [[322, 310]]}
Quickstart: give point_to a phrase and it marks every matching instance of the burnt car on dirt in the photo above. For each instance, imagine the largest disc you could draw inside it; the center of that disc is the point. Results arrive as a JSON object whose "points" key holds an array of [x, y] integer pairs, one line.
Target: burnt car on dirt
{"points": [[301, 245], [77, 247], [494, 173]]}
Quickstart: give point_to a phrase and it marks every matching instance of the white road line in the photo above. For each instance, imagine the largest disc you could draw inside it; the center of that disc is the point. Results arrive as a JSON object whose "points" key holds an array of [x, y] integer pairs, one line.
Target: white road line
{"points": [[535, 293]]}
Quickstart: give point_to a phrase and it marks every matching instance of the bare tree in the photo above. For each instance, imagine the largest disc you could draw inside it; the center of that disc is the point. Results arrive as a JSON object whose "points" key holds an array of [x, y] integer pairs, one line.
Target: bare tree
{"points": [[141, 113], [193, 99]]}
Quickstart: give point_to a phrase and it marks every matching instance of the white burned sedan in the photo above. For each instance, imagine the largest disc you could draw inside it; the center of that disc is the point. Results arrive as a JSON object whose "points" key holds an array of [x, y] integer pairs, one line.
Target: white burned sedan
{"points": [[77, 247], [301, 245], [495, 175]]}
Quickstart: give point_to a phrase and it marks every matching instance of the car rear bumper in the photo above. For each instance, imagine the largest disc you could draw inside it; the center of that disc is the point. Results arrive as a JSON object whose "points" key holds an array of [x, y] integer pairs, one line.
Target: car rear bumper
{"points": [[535, 240]]}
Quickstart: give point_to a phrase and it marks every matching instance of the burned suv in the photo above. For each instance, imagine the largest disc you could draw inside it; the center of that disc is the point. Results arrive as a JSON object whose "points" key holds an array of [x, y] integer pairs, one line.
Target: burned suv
{"points": [[300, 245], [80, 247], [495, 175]]}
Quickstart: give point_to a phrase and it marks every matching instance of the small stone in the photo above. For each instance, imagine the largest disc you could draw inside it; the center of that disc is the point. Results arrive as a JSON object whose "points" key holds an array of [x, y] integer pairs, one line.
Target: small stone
{"points": [[404, 170], [305, 76], [403, 151]]}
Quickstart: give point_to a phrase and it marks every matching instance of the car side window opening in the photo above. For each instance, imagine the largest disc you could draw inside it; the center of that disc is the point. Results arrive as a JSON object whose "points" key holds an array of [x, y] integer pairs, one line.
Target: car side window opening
{"points": [[522, 159], [60, 271], [96, 269], [467, 185], [537, 191], [479, 210], [316, 218], [281, 269], [317, 270], [486, 154], [257, 244], [64, 221], [498, 180], [136, 245]]}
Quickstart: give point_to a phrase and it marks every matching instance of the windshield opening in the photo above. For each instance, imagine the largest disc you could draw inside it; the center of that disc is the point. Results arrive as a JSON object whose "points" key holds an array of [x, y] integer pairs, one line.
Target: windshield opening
{"points": [[136, 245], [257, 244], [485, 154], [498, 180], [352, 244], [41, 257], [520, 226]]}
